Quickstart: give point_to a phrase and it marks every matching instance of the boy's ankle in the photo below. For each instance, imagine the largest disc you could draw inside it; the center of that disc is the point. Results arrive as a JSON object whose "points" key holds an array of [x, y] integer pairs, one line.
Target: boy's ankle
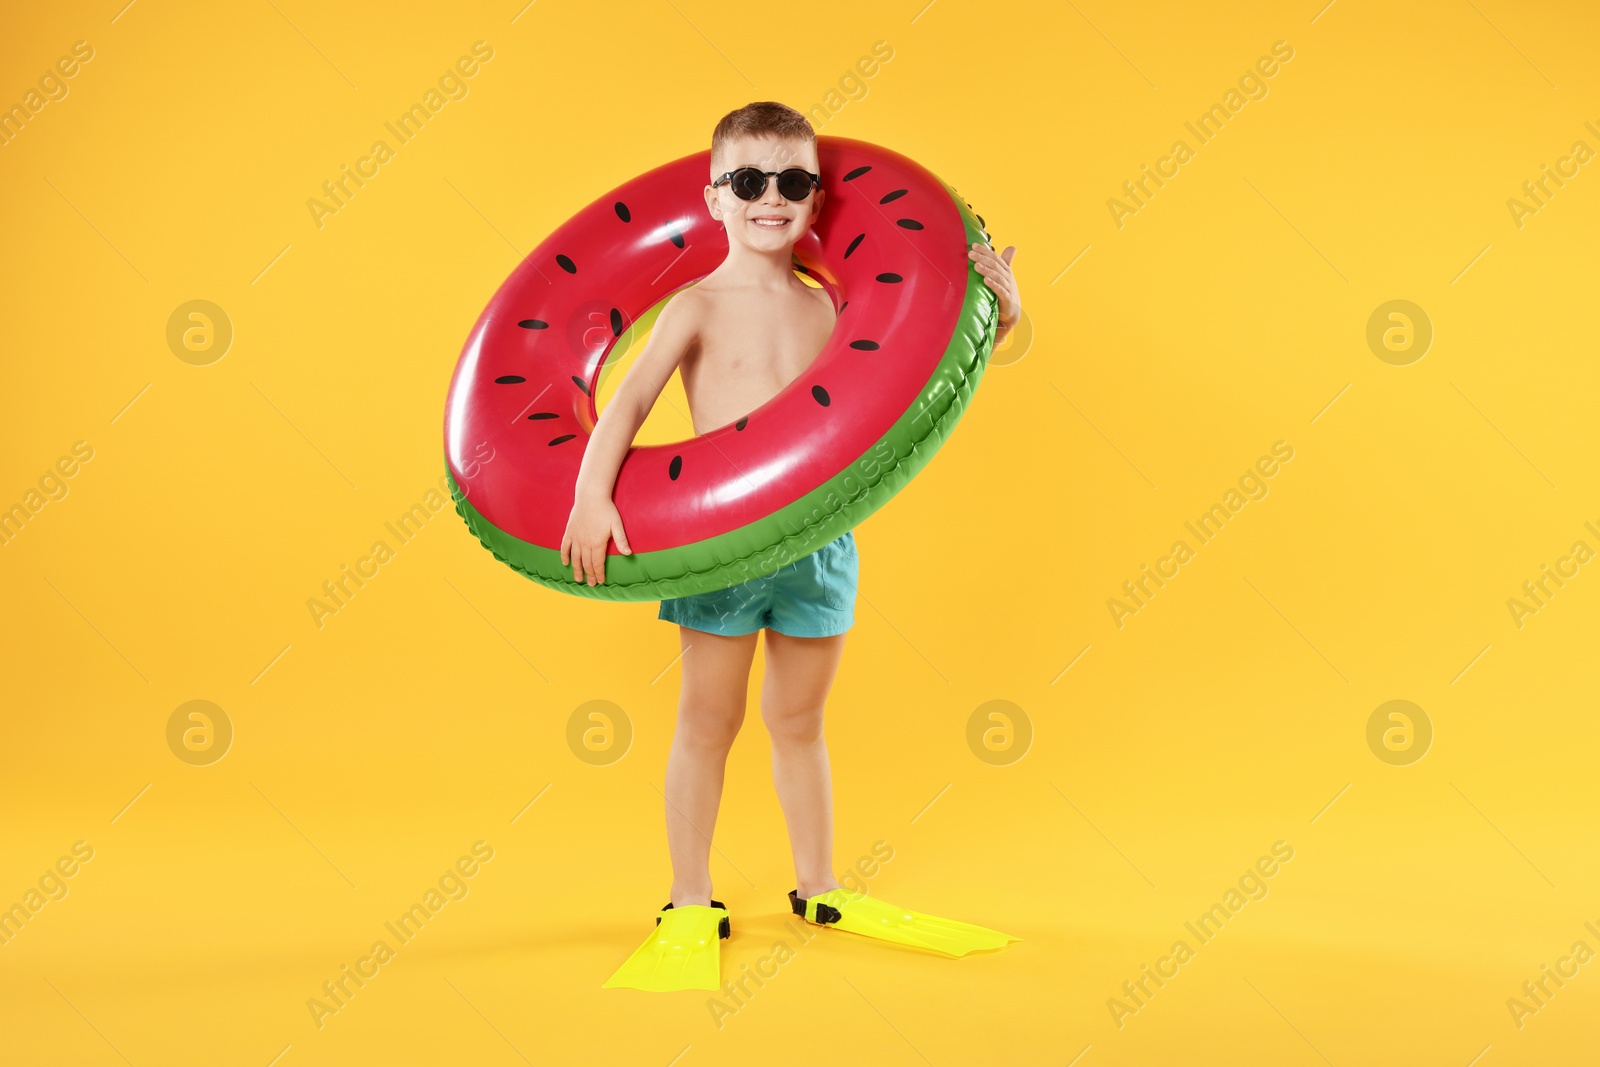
{"points": [[806, 891], [682, 899]]}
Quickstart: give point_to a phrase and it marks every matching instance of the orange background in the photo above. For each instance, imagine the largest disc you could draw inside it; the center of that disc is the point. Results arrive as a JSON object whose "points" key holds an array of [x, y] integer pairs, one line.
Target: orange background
{"points": [[1139, 771]]}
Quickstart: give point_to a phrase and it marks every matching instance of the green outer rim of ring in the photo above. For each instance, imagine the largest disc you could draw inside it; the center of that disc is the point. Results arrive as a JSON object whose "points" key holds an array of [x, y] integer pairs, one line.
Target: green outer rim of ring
{"points": [[799, 528]]}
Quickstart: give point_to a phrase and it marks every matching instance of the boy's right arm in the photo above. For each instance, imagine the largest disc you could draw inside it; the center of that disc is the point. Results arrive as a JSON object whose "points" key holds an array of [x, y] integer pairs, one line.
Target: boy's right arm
{"points": [[594, 520]]}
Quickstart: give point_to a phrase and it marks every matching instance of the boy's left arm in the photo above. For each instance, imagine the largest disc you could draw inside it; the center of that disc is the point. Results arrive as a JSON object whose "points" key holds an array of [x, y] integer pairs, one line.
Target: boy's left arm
{"points": [[996, 271]]}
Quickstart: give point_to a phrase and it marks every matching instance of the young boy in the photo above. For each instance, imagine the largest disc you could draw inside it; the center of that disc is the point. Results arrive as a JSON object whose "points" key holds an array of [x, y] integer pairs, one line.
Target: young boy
{"points": [[739, 336]]}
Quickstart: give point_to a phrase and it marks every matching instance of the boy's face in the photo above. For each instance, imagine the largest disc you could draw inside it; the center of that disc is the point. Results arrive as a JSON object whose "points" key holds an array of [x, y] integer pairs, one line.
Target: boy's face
{"points": [[768, 223]]}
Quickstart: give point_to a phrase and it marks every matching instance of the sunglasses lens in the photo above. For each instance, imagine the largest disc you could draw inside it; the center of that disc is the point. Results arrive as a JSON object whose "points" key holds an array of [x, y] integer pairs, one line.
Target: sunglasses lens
{"points": [[794, 184], [748, 183]]}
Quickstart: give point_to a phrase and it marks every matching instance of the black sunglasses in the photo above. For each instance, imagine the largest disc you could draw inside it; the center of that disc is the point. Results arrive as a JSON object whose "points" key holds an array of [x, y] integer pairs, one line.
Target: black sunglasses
{"points": [[748, 183]]}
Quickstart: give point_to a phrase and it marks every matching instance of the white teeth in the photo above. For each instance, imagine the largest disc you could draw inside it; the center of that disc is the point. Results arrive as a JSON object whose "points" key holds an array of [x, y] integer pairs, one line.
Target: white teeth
{"points": [[770, 223]]}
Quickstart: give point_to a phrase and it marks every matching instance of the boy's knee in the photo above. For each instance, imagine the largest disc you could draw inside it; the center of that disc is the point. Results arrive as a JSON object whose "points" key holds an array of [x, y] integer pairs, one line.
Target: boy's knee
{"points": [[794, 725], [710, 729]]}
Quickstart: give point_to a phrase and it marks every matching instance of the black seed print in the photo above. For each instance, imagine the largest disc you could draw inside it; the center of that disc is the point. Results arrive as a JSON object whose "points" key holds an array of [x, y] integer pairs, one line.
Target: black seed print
{"points": [[859, 238], [563, 439], [908, 224], [890, 278], [616, 323], [510, 379], [858, 172], [675, 467], [677, 238], [864, 346], [580, 384], [566, 264], [740, 424], [534, 324], [843, 306], [622, 211], [896, 195], [820, 395], [543, 415]]}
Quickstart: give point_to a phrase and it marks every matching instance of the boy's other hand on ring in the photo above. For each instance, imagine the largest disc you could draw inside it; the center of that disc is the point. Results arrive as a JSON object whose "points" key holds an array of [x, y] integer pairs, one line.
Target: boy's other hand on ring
{"points": [[996, 271]]}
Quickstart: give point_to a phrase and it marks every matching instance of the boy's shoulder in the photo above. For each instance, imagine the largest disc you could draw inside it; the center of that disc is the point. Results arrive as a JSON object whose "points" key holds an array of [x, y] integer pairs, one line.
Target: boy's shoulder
{"points": [[695, 304], [685, 309]]}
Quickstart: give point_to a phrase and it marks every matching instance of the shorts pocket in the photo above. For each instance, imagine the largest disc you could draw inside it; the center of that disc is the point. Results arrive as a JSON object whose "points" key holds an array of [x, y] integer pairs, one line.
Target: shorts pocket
{"points": [[839, 578]]}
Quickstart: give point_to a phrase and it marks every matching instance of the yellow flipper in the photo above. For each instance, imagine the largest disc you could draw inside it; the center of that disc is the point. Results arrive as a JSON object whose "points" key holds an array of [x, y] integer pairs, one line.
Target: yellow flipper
{"points": [[683, 952], [860, 914]]}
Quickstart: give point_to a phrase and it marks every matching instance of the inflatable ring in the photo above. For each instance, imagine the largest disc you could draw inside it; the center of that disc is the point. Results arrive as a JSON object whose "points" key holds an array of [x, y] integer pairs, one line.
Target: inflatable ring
{"points": [[915, 327]]}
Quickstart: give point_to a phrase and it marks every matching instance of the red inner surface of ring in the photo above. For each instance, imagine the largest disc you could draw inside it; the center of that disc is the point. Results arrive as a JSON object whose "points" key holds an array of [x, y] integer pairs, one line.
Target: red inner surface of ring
{"points": [[729, 477]]}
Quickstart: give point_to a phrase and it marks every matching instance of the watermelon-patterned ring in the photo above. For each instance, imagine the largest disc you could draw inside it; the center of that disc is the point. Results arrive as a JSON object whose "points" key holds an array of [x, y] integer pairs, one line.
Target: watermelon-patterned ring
{"points": [[915, 328]]}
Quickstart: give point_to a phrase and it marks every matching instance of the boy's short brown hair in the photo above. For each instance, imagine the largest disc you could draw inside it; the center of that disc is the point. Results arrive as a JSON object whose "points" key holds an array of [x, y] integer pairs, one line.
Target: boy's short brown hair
{"points": [[764, 118]]}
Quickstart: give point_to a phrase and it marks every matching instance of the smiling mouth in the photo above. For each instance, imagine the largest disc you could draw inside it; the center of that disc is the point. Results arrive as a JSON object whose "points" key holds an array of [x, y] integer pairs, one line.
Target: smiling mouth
{"points": [[770, 223]]}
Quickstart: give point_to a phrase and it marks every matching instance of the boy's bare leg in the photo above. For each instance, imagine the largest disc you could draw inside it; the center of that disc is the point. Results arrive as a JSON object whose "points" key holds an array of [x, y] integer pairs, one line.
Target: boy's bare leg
{"points": [[800, 672], [716, 677]]}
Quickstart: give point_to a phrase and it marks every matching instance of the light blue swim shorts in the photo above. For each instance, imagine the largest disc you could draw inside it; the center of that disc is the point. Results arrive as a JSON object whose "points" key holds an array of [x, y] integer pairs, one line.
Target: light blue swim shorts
{"points": [[812, 597]]}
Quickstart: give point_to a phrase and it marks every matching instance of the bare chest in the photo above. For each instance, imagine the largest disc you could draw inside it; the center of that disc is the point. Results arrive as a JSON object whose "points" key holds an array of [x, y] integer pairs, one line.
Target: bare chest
{"points": [[748, 351]]}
